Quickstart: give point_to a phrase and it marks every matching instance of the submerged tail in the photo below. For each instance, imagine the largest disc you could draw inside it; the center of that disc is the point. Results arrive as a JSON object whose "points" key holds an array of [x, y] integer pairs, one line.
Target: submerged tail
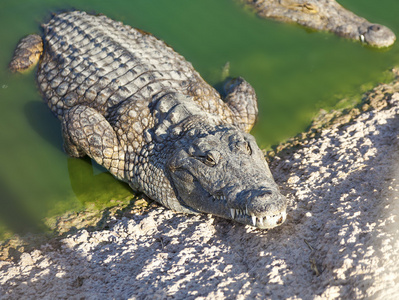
{"points": [[27, 53]]}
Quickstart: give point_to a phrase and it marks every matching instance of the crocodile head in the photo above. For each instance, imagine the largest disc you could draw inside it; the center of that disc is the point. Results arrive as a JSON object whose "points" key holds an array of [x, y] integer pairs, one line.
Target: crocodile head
{"points": [[327, 15], [376, 35], [223, 172]]}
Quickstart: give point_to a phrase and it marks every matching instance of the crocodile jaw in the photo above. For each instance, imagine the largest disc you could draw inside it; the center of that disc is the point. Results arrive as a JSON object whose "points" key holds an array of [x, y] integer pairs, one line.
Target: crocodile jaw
{"points": [[262, 222], [263, 212]]}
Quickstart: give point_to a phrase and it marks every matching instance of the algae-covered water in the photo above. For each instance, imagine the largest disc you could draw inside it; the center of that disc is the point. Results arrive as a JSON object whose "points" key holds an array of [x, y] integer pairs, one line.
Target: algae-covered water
{"points": [[294, 71]]}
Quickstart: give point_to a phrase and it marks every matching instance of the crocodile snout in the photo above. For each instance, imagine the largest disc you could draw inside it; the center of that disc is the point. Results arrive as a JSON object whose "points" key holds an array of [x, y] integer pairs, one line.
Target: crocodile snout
{"points": [[262, 207], [377, 35]]}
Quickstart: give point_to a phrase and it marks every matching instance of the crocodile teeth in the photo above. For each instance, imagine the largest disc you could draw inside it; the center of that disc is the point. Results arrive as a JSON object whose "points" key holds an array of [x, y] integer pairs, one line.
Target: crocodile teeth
{"points": [[236, 212], [261, 221], [253, 217], [223, 198]]}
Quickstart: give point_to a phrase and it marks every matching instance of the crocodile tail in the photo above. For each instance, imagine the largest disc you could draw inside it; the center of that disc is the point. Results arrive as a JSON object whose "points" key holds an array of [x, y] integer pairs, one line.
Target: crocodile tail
{"points": [[27, 53]]}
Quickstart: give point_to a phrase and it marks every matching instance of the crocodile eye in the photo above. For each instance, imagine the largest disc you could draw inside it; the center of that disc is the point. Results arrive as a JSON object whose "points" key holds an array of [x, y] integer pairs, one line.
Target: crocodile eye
{"points": [[210, 160]]}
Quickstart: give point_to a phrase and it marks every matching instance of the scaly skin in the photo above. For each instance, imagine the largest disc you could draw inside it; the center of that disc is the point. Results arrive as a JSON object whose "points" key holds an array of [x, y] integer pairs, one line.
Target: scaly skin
{"points": [[136, 107], [325, 15], [28, 52]]}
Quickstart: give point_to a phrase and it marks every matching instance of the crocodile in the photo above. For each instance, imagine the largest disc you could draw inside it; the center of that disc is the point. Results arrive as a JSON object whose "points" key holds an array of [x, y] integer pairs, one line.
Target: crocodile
{"points": [[325, 15], [131, 103]]}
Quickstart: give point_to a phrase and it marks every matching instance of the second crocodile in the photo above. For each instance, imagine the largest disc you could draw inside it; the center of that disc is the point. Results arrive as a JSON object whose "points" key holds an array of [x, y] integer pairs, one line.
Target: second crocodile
{"points": [[325, 15], [139, 109]]}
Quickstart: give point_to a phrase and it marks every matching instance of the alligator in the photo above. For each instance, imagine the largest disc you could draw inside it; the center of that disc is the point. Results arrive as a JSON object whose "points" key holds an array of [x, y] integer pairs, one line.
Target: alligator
{"points": [[138, 108], [325, 15]]}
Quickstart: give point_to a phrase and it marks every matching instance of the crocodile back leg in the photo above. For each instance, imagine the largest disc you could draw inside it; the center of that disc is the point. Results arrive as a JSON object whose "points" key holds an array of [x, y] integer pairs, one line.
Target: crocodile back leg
{"points": [[27, 53]]}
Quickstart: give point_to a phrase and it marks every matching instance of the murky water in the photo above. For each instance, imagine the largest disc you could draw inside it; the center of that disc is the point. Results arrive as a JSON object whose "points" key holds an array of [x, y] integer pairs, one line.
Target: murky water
{"points": [[295, 72]]}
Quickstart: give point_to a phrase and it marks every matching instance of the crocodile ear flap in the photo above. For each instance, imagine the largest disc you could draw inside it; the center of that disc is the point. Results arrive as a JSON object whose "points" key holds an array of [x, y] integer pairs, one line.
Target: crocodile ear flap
{"points": [[241, 98]]}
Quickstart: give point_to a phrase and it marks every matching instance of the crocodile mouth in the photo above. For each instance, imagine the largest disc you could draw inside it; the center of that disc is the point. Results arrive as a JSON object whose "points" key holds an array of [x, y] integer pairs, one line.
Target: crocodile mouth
{"points": [[262, 221]]}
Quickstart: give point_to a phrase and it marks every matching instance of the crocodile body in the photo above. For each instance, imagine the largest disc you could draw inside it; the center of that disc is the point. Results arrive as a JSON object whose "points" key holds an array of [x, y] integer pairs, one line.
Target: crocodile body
{"points": [[326, 15], [139, 109]]}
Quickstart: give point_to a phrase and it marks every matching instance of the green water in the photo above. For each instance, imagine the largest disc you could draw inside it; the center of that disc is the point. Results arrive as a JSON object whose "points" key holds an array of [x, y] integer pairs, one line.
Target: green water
{"points": [[295, 73]]}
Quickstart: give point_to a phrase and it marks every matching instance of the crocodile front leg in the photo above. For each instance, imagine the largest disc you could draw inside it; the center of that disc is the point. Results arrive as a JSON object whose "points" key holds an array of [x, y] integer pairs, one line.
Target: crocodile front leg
{"points": [[241, 99], [87, 132]]}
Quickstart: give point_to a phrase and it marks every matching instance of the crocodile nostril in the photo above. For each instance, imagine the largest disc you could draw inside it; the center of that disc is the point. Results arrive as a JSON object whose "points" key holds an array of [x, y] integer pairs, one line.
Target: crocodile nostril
{"points": [[375, 27], [264, 193]]}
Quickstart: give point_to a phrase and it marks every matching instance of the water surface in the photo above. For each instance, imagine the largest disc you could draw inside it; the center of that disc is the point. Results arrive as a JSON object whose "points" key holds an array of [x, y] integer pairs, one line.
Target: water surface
{"points": [[294, 71]]}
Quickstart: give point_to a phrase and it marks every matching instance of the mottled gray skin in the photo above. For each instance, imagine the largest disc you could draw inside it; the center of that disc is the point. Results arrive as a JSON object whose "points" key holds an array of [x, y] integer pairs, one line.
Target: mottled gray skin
{"points": [[325, 15], [139, 109]]}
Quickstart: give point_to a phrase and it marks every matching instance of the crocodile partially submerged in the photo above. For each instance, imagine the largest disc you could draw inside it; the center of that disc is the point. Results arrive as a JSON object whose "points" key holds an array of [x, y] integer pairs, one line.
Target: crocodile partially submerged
{"points": [[326, 15], [139, 109]]}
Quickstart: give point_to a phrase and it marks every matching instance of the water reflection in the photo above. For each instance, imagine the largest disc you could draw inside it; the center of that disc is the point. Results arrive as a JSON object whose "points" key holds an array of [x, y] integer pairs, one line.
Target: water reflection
{"points": [[15, 215], [93, 184], [43, 122]]}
